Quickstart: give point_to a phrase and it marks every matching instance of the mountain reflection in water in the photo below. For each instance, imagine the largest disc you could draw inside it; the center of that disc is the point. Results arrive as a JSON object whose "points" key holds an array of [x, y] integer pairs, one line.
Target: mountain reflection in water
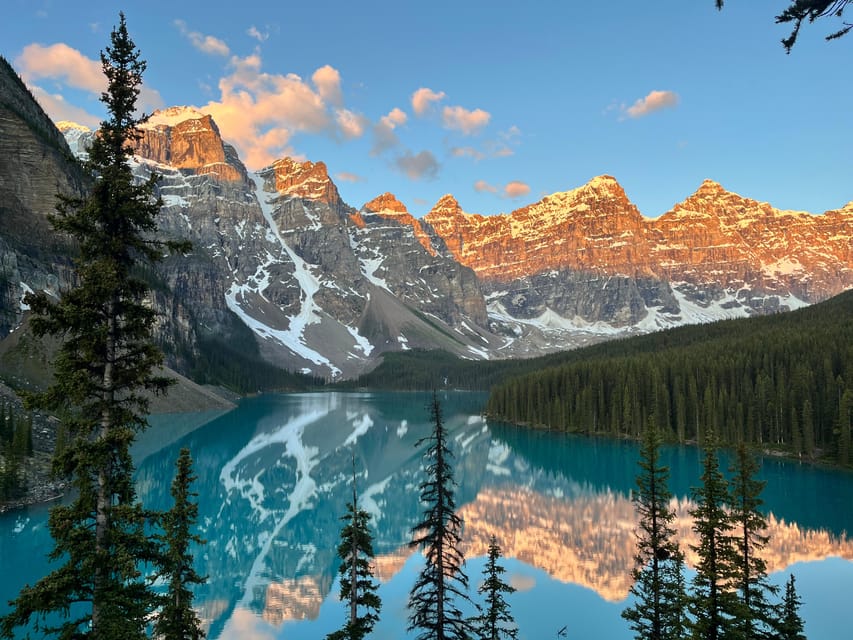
{"points": [[274, 477]]}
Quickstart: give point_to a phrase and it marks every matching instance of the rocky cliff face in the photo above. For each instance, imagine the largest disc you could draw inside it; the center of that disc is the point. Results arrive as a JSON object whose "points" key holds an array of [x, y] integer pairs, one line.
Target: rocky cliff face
{"points": [[715, 254], [326, 288], [280, 251], [35, 165]]}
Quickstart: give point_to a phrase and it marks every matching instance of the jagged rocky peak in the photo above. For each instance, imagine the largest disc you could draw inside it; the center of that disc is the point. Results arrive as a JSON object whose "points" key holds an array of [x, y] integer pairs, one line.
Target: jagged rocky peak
{"points": [[603, 190], [710, 187], [78, 136], [173, 116], [188, 139], [307, 180], [386, 203], [446, 210], [387, 207]]}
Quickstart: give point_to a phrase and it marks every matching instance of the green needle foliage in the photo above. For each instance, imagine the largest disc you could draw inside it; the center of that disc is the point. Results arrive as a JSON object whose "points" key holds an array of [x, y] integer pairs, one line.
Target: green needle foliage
{"points": [[713, 602], [495, 621], [790, 625], [177, 620], [658, 589], [442, 582], [800, 11], [750, 526], [358, 588], [106, 363]]}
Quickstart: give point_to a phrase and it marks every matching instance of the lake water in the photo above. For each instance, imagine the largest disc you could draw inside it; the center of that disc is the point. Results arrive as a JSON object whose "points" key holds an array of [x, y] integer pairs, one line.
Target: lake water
{"points": [[275, 476]]}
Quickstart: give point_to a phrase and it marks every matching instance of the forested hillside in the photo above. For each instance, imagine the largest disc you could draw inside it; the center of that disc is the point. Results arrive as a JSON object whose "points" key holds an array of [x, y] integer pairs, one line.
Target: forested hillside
{"points": [[783, 381]]}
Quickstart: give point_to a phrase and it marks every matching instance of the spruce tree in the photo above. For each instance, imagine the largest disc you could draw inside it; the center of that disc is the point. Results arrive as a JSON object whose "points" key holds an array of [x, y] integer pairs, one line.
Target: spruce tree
{"points": [[713, 600], [658, 589], [749, 532], [104, 366], [358, 588], [790, 625], [433, 609], [177, 620], [495, 621]]}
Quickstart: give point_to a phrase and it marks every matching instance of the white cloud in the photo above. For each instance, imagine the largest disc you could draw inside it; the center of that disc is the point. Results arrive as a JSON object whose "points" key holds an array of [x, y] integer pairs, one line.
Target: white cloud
{"points": [[384, 137], [327, 79], [418, 166], [257, 34], [206, 44], [58, 109], [654, 101], [468, 122], [423, 98], [351, 125]]}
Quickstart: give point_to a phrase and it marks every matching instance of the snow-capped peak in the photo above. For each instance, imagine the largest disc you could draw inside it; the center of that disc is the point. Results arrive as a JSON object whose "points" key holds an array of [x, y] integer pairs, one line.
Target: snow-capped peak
{"points": [[68, 125], [172, 116]]}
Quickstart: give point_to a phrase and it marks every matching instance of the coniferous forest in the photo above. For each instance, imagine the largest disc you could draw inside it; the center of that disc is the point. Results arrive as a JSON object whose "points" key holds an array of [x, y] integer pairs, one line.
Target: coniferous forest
{"points": [[782, 382]]}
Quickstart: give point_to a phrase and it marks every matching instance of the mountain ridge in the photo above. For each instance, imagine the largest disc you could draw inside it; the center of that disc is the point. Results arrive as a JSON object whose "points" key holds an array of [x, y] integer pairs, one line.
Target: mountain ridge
{"points": [[326, 288]]}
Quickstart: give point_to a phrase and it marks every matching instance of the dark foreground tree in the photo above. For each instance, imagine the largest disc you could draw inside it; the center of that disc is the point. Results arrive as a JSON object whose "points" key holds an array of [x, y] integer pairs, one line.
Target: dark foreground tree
{"points": [[358, 588], [789, 625], [800, 11], [750, 536], [177, 620], [106, 361], [433, 609], [713, 600], [495, 621], [658, 589]]}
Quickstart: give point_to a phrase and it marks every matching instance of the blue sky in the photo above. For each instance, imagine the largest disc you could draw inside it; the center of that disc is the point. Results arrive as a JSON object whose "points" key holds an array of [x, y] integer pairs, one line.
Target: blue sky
{"points": [[497, 103]]}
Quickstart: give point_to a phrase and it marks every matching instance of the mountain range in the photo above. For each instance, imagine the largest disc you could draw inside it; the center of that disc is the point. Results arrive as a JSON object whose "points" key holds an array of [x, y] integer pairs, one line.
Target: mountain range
{"points": [[282, 265]]}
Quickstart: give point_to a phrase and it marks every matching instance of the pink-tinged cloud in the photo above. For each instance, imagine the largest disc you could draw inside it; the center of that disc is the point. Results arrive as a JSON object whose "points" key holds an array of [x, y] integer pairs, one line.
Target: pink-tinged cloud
{"points": [[346, 176], [259, 112], [655, 101], [468, 122], [351, 125], [423, 98], [395, 118], [522, 583], [70, 68], [469, 152], [384, 137], [206, 44], [418, 166], [327, 79], [516, 189], [482, 186], [61, 62], [257, 34], [58, 109]]}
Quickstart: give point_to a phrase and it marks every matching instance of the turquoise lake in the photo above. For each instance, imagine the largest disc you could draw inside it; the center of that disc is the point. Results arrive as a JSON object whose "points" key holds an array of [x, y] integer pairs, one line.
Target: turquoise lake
{"points": [[274, 476]]}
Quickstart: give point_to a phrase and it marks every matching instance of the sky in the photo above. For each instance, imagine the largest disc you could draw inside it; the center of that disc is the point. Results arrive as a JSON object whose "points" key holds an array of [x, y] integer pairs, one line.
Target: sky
{"points": [[497, 103]]}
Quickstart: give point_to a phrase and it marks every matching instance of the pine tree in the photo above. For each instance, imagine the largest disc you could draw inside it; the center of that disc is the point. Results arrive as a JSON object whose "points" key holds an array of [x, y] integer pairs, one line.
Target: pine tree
{"points": [[713, 600], [104, 365], [177, 620], [432, 600], [749, 531], [358, 588], [495, 620], [845, 422], [658, 612], [790, 625]]}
